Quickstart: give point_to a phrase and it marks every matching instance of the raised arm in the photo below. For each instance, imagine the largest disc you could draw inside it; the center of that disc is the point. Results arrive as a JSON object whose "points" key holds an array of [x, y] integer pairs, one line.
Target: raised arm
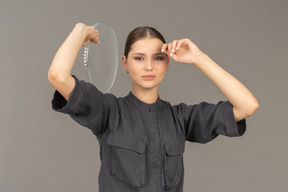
{"points": [[59, 74], [243, 101]]}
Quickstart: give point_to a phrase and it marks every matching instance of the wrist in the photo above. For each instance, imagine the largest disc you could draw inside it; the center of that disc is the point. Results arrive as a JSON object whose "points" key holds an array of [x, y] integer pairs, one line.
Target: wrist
{"points": [[201, 60], [81, 30], [80, 33]]}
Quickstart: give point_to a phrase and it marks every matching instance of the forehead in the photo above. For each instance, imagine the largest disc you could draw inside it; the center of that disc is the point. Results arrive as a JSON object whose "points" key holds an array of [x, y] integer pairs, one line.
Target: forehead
{"points": [[147, 45]]}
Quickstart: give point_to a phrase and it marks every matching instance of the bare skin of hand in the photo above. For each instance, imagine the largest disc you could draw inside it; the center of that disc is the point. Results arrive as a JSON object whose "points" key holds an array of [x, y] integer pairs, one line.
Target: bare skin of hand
{"points": [[183, 51], [243, 101]]}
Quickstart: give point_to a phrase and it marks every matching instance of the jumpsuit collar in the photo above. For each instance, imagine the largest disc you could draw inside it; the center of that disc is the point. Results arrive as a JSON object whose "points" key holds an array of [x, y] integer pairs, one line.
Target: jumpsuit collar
{"points": [[142, 105]]}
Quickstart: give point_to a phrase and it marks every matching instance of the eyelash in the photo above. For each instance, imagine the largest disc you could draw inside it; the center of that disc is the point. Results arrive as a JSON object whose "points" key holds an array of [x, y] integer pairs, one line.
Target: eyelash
{"points": [[138, 58], [156, 58], [159, 58]]}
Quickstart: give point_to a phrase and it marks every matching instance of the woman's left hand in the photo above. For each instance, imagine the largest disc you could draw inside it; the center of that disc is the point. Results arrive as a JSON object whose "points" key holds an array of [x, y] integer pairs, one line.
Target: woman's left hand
{"points": [[183, 51]]}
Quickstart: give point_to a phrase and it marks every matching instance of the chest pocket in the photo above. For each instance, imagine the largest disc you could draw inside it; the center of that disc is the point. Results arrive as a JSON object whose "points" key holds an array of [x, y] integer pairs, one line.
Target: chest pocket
{"points": [[128, 158], [173, 163]]}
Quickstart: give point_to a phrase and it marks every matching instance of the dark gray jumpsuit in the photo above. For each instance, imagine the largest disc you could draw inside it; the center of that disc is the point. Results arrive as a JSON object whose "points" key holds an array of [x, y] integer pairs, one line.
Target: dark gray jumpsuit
{"points": [[142, 145]]}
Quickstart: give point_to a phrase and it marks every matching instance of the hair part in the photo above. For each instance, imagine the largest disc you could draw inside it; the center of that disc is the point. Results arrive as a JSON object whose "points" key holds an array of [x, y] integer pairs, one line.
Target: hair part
{"points": [[140, 33]]}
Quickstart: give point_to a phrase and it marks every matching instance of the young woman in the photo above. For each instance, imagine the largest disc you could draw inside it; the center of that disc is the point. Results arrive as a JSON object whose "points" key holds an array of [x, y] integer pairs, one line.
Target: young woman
{"points": [[142, 137]]}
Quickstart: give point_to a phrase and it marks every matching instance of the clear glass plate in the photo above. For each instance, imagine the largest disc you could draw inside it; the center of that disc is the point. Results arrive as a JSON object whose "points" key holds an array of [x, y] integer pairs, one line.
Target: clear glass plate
{"points": [[101, 60]]}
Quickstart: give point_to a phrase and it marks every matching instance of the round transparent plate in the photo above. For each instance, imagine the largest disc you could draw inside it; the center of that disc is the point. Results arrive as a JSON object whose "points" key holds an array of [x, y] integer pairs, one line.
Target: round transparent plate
{"points": [[101, 60]]}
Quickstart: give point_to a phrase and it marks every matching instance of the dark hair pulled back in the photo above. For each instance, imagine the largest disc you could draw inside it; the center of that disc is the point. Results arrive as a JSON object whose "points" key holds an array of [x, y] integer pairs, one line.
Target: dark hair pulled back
{"points": [[140, 33]]}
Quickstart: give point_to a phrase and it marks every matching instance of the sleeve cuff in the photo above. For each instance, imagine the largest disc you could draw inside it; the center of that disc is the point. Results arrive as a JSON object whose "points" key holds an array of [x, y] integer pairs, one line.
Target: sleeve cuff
{"points": [[60, 104], [233, 128]]}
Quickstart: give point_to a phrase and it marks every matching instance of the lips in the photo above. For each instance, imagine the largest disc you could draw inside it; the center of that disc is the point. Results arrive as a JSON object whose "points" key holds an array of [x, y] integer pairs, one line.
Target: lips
{"points": [[148, 77]]}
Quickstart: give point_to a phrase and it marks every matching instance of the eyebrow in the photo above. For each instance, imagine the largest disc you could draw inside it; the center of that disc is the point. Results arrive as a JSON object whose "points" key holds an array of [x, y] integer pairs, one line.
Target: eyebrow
{"points": [[153, 54]]}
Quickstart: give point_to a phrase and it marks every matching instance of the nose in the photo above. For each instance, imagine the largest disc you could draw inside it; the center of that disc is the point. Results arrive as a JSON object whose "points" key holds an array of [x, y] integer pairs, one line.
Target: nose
{"points": [[149, 65]]}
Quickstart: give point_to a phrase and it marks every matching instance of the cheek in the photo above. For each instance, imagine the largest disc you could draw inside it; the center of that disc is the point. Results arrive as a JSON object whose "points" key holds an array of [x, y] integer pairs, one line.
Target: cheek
{"points": [[162, 68], [134, 70]]}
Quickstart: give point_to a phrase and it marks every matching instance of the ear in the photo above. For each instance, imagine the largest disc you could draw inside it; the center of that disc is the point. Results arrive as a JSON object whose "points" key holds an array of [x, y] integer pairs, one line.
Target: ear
{"points": [[124, 63]]}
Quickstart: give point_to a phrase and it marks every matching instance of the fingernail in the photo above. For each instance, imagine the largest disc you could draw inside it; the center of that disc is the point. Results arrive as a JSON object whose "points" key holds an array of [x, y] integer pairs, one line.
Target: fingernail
{"points": [[173, 50], [171, 54], [162, 50]]}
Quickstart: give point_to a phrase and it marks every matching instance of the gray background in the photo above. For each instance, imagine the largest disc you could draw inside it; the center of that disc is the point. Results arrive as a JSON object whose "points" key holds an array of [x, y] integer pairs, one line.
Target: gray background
{"points": [[41, 150]]}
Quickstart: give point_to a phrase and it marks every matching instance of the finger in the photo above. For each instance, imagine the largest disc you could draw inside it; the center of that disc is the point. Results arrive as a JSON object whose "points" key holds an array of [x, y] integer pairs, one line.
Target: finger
{"points": [[94, 35], [92, 29], [96, 39], [170, 49], [95, 31], [97, 36], [173, 48], [164, 48], [181, 43]]}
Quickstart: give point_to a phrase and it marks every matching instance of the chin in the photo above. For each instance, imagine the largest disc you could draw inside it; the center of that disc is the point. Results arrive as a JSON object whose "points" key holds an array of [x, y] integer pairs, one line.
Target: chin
{"points": [[147, 86]]}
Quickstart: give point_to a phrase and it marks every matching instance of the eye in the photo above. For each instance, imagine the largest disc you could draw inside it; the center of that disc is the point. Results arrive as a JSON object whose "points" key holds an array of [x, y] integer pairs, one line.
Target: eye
{"points": [[159, 58], [138, 58]]}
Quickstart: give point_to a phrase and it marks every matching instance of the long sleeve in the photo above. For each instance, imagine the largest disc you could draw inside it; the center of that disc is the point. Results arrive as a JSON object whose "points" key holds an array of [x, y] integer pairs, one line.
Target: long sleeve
{"points": [[204, 122], [87, 106]]}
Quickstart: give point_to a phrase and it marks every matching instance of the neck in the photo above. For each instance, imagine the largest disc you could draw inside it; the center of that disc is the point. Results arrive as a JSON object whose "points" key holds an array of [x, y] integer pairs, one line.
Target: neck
{"points": [[146, 95]]}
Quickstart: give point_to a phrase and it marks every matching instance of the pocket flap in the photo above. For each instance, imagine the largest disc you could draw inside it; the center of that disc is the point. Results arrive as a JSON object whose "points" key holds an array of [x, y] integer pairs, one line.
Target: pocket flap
{"points": [[175, 148], [127, 141]]}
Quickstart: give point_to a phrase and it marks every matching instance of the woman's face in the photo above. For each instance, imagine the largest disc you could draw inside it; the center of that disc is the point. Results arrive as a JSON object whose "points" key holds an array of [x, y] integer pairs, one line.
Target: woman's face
{"points": [[146, 63]]}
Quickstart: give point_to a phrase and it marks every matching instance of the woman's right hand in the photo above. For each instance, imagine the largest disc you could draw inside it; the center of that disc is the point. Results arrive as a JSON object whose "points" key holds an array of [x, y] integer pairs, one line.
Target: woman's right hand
{"points": [[92, 34]]}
